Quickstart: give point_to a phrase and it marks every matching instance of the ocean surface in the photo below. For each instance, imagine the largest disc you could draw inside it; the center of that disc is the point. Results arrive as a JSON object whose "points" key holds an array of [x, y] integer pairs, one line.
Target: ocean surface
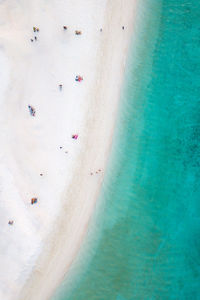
{"points": [[144, 239]]}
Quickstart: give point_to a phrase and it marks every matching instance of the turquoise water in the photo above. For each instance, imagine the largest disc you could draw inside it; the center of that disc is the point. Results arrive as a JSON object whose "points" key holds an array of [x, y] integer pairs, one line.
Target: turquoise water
{"points": [[148, 244]]}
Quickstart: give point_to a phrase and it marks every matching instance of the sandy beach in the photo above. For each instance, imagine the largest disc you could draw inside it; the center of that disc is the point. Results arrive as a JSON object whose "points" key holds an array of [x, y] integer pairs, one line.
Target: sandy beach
{"points": [[39, 158]]}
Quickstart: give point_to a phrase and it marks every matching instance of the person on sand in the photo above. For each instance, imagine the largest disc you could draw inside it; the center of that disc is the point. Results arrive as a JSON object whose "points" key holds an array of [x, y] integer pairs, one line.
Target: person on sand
{"points": [[31, 110], [75, 136], [78, 78], [33, 200], [36, 29]]}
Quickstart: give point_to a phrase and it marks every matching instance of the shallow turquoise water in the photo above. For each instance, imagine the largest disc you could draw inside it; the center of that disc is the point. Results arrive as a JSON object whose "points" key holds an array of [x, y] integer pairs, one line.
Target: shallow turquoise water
{"points": [[148, 244]]}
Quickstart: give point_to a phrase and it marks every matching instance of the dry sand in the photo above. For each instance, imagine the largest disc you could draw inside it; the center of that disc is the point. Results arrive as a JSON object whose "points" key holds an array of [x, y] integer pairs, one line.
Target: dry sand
{"points": [[37, 250]]}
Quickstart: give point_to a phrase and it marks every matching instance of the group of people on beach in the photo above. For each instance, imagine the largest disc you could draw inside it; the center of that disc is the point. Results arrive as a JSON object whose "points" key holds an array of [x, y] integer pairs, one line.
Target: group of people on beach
{"points": [[35, 29], [96, 172], [32, 110]]}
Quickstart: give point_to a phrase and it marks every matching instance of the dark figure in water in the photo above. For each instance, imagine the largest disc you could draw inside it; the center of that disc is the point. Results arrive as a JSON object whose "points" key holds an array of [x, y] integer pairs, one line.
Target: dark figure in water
{"points": [[123, 27], [60, 86], [31, 40], [35, 38], [65, 27]]}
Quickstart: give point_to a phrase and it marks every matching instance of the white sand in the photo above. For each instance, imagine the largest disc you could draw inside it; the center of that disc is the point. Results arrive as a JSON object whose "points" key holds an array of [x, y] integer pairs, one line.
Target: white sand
{"points": [[36, 251]]}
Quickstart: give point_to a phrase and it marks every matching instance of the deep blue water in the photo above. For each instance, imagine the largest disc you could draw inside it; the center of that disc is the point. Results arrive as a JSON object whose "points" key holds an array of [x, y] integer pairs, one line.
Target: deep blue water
{"points": [[149, 241]]}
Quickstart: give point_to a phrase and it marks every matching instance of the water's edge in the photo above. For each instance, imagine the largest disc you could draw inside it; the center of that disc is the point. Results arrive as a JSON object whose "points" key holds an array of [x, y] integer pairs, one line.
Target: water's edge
{"points": [[143, 241]]}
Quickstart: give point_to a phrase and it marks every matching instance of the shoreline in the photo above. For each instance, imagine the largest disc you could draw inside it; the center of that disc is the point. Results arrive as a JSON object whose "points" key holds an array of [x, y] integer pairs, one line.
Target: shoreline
{"points": [[61, 240]]}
